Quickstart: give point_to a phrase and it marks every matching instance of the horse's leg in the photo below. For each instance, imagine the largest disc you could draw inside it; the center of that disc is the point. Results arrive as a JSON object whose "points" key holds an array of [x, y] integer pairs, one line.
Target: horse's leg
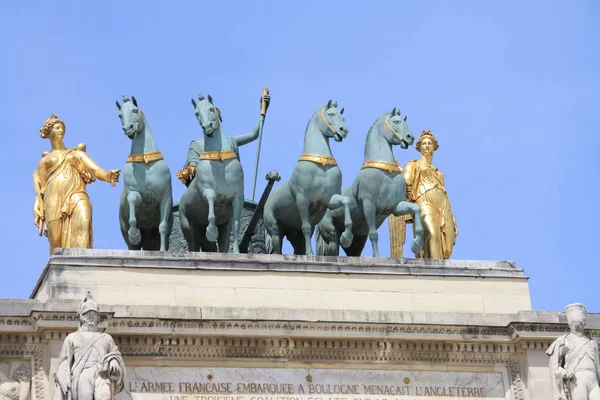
{"points": [[238, 208], [299, 244], [357, 246], [337, 201], [212, 233], [303, 204], [225, 237], [272, 228], [166, 208], [187, 230], [370, 212], [134, 199], [404, 208], [124, 228]]}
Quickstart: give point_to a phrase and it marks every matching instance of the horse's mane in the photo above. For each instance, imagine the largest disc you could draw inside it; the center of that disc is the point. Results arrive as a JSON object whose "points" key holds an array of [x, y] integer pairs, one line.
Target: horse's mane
{"points": [[378, 122], [312, 118]]}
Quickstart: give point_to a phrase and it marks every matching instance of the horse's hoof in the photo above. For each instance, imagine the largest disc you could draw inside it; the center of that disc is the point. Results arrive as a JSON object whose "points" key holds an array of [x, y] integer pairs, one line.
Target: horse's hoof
{"points": [[135, 237], [416, 246], [346, 239], [212, 233]]}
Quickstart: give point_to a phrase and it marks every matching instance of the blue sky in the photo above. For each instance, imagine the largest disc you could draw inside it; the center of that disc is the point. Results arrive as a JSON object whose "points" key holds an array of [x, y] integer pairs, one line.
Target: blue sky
{"points": [[509, 88]]}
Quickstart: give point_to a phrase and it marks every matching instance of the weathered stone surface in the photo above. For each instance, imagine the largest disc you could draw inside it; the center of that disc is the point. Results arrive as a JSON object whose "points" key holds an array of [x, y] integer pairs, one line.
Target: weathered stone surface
{"points": [[309, 383]]}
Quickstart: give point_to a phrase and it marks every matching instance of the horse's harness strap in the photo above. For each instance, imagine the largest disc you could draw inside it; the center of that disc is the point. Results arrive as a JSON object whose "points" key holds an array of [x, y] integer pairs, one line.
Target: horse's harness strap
{"points": [[218, 155], [386, 123], [322, 117], [145, 157], [382, 165], [318, 159]]}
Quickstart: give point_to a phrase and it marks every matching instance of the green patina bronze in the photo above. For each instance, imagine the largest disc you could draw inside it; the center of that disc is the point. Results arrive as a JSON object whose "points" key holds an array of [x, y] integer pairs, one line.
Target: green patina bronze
{"points": [[294, 209], [375, 193], [145, 212], [211, 207]]}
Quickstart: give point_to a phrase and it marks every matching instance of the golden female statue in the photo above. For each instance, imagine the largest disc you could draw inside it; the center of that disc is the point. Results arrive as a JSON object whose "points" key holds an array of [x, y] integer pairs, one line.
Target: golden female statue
{"points": [[425, 186], [61, 201]]}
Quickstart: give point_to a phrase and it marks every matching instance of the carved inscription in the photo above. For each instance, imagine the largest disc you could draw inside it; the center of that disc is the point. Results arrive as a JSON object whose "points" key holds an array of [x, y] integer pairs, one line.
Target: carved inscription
{"points": [[189, 383]]}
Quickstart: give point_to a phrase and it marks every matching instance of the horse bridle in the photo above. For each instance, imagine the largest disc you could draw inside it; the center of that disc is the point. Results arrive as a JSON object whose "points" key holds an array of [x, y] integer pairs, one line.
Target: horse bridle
{"points": [[137, 124], [322, 117], [386, 123]]}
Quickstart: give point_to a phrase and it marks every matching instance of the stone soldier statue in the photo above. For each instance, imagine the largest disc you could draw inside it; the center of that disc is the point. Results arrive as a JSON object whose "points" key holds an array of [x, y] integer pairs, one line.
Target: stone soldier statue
{"points": [[90, 366], [574, 361]]}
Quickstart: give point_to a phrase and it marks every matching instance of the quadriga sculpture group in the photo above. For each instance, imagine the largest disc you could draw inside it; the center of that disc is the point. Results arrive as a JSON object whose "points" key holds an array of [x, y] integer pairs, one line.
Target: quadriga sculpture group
{"points": [[211, 207]]}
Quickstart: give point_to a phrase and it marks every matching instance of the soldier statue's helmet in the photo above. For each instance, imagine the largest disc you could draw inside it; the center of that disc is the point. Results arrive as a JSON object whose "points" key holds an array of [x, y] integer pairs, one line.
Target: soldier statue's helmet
{"points": [[575, 312], [88, 304]]}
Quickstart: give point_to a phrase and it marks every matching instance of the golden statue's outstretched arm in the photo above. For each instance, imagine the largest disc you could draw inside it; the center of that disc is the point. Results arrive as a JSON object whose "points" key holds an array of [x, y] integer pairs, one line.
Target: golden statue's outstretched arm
{"points": [[111, 176]]}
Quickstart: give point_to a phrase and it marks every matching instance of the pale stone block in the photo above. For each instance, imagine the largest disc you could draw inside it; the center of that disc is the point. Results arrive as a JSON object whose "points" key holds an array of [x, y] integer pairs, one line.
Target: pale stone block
{"points": [[498, 303], [285, 298], [205, 297], [449, 302], [367, 300], [538, 375]]}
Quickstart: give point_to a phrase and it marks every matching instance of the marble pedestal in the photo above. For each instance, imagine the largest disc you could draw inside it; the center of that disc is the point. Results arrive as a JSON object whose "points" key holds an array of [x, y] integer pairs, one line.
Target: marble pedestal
{"points": [[261, 327]]}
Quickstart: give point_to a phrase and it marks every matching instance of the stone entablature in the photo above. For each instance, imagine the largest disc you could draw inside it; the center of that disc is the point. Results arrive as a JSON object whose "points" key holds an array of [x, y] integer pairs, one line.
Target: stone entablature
{"points": [[32, 330]]}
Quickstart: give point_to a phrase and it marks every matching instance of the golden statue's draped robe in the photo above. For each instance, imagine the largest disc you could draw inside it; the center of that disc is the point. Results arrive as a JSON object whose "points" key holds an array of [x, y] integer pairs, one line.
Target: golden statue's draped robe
{"points": [[67, 207], [425, 186]]}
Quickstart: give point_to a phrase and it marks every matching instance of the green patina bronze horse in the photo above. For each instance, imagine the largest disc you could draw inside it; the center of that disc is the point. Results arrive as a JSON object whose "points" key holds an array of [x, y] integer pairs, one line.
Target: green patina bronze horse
{"points": [[212, 205], [145, 211], [298, 205], [378, 191]]}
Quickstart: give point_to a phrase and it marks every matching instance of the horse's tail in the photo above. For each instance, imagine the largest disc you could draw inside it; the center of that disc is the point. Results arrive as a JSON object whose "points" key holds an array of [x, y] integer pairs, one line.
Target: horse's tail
{"points": [[268, 243], [327, 248]]}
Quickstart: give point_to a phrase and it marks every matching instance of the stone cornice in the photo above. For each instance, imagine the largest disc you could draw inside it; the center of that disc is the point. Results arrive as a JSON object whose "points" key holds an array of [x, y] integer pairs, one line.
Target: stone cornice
{"points": [[513, 332]]}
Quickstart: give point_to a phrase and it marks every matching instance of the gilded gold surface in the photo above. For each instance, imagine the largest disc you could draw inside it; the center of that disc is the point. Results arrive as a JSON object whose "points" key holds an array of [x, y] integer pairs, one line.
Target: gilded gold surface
{"points": [[145, 157], [218, 155], [62, 208], [187, 174], [425, 186], [318, 159], [382, 165]]}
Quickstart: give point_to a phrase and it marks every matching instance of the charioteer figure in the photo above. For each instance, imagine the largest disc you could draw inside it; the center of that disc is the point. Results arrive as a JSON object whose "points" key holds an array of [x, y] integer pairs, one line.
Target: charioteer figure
{"points": [[197, 146]]}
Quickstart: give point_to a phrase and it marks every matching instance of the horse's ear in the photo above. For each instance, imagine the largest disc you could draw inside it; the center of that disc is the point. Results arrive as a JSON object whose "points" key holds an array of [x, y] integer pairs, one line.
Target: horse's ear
{"points": [[405, 118], [134, 101], [395, 111], [118, 105], [210, 99], [342, 110], [194, 103], [328, 104]]}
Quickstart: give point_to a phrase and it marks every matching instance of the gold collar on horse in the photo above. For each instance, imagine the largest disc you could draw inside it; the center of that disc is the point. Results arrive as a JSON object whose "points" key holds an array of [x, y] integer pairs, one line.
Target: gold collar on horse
{"points": [[145, 157], [218, 155], [382, 165], [318, 159]]}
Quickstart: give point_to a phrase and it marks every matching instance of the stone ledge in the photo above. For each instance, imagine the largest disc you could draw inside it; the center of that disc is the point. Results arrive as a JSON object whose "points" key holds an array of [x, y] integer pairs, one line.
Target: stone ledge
{"points": [[289, 263], [535, 319]]}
